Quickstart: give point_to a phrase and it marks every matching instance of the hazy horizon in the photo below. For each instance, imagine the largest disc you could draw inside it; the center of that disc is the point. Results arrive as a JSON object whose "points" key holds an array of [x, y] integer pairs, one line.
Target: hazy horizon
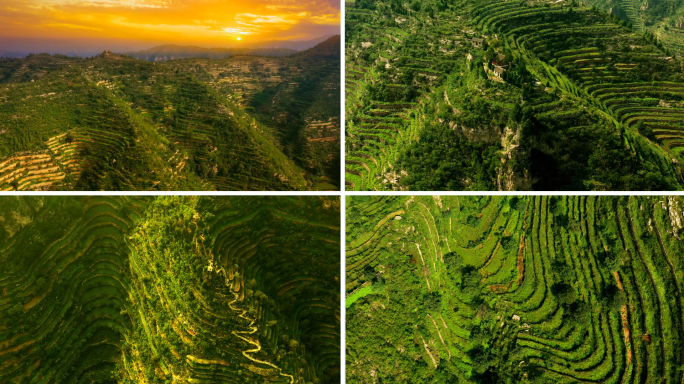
{"points": [[84, 28], [90, 48]]}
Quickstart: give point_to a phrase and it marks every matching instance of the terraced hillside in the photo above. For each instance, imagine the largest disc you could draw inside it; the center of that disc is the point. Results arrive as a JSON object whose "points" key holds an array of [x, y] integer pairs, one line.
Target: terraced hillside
{"points": [[116, 123], [298, 97], [498, 289], [485, 95], [169, 290], [663, 19]]}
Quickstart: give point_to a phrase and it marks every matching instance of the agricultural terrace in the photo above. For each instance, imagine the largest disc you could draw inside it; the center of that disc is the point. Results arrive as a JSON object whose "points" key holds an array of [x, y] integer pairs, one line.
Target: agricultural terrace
{"points": [[533, 95], [664, 20], [297, 97], [161, 290], [499, 289], [112, 122]]}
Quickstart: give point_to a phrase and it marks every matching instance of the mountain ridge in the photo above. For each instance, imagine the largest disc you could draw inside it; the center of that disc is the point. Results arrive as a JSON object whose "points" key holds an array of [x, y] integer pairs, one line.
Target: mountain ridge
{"points": [[16, 50], [274, 48], [329, 47]]}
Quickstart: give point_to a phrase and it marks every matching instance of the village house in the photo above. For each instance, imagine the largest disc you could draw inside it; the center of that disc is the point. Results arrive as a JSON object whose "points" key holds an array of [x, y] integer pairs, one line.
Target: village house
{"points": [[499, 59], [499, 71], [477, 42]]}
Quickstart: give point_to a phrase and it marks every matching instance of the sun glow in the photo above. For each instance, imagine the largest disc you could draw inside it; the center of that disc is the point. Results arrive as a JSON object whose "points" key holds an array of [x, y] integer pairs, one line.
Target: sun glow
{"points": [[198, 22]]}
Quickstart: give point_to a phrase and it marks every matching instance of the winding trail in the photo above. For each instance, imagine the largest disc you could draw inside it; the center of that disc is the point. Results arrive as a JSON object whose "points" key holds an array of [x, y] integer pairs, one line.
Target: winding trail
{"points": [[254, 343]]}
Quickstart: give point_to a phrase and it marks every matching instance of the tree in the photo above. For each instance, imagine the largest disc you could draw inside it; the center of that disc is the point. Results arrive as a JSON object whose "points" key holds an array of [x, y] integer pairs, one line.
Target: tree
{"points": [[433, 301], [645, 131], [293, 345], [489, 55], [15, 310]]}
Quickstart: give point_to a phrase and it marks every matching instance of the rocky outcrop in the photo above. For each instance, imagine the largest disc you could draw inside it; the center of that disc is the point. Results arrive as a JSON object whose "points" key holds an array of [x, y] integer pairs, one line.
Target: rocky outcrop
{"points": [[512, 176], [485, 134]]}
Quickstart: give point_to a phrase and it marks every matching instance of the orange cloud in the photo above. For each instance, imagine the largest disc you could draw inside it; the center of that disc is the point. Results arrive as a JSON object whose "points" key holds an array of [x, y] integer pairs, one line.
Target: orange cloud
{"points": [[67, 25], [199, 22]]}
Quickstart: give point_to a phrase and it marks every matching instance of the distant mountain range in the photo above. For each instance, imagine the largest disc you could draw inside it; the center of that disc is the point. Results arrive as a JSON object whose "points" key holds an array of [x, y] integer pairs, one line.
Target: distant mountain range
{"points": [[297, 45], [270, 48], [169, 52], [12, 54]]}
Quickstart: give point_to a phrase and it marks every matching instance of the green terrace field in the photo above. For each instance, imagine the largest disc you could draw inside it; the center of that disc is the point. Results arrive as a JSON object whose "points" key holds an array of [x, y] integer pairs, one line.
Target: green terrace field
{"points": [[169, 290], [298, 97], [664, 19], [484, 95], [529, 289], [112, 122]]}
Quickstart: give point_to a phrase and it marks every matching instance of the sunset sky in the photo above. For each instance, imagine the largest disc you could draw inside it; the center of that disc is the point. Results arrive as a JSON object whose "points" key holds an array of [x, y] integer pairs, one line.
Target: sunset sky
{"points": [[140, 24]]}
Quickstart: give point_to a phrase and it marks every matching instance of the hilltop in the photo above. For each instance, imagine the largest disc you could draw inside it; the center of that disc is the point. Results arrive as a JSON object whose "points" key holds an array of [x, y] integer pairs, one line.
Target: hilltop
{"points": [[329, 47]]}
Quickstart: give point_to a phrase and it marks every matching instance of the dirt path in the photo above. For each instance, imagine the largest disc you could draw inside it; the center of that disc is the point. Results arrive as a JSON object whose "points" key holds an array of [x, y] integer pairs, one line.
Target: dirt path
{"points": [[428, 352], [423, 260], [440, 335], [521, 260], [256, 343]]}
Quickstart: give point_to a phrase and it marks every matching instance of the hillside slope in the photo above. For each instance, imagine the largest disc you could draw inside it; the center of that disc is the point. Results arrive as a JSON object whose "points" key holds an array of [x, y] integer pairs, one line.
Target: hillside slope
{"points": [[663, 18], [456, 95], [116, 123], [500, 289], [169, 289], [298, 97]]}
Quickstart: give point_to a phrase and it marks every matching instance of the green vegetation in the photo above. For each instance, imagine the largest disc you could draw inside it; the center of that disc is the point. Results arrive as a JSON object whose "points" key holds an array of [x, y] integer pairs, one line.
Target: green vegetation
{"points": [[497, 289], [169, 290], [663, 20], [112, 122], [486, 95]]}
